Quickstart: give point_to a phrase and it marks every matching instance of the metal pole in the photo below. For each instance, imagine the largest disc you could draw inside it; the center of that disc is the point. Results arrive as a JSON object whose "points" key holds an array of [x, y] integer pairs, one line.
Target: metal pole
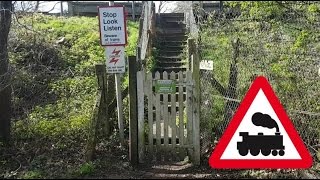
{"points": [[133, 11], [119, 101], [61, 8], [119, 108]]}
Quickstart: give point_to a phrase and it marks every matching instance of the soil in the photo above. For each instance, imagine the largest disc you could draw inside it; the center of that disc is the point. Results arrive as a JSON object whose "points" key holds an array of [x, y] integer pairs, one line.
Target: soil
{"points": [[45, 159]]}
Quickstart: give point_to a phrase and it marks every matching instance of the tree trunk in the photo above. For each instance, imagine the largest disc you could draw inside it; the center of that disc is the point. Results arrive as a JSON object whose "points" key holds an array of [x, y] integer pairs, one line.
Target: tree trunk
{"points": [[231, 92], [5, 86]]}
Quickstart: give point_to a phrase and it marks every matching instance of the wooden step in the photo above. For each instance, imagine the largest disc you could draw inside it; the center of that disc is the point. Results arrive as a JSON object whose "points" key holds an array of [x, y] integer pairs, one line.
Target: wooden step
{"points": [[171, 23], [170, 58], [171, 63], [172, 43], [170, 69], [171, 14], [164, 31], [171, 47], [166, 16], [168, 53], [171, 18], [170, 66], [172, 37]]}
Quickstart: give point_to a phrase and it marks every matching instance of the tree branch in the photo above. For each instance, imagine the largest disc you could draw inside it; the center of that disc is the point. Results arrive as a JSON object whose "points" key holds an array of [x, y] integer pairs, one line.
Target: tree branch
{"points": [[215, 83], [113, 104]]}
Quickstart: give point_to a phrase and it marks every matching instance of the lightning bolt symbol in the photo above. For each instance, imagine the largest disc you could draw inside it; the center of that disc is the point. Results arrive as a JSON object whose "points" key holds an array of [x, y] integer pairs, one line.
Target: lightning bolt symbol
{"points": [[116, 52], [114, 60]]}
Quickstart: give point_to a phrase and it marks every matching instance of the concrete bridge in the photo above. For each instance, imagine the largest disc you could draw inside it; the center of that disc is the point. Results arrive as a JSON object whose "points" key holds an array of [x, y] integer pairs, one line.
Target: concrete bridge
{"points": [[89, 8]]}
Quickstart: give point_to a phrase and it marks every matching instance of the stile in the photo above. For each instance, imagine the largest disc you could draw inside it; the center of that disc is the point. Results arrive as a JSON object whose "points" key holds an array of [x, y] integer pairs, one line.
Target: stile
{"points": [[189, 111], [173, 117], [150, 112], [140, 92], [158, 124], [165, 116], [181, 116]]}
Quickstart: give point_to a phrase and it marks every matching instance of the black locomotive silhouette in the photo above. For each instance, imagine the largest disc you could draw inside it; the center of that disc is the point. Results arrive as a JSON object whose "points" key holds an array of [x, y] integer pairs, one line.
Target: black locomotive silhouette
{"points": [[265, 143]]}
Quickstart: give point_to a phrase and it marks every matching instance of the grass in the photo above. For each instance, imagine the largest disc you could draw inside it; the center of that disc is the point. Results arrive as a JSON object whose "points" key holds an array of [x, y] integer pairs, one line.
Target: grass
{"points": [[54, 93]]}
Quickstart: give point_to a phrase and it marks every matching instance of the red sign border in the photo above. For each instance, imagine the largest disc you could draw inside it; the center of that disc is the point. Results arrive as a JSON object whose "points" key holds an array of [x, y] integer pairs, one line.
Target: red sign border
{"points": [[217, 163], [125, 25]]}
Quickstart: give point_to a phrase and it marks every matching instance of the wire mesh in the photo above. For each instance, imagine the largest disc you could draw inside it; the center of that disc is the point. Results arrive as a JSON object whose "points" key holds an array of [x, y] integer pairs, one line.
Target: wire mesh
{"points": [[278, 40]]}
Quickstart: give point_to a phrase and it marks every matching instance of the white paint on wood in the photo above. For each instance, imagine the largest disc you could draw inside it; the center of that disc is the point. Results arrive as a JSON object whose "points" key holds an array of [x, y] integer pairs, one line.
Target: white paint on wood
{"points": [[165, 113], [158, 109], [165, 118], [196, 125], [173, 115], [140, 92], [182, 129], [181, 107], [119, 107], [150, 110], [161, 122], [189, 110]]}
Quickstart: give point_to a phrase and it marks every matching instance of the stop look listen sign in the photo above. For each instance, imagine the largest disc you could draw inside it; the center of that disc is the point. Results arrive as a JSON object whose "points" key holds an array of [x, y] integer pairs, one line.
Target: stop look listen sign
{"points": [[112, 26]]}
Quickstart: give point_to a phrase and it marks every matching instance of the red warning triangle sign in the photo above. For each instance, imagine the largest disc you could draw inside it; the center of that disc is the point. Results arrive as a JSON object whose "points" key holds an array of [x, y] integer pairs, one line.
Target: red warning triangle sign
{"points": [[260, 135]]}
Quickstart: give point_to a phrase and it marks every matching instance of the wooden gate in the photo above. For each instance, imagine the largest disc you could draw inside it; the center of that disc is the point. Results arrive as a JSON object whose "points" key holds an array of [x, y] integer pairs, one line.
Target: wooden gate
{"points": [[167, 124]]}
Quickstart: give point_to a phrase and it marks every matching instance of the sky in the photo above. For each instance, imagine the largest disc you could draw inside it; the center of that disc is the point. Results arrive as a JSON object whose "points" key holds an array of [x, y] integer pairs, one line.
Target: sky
{"points": [[48, 5]]}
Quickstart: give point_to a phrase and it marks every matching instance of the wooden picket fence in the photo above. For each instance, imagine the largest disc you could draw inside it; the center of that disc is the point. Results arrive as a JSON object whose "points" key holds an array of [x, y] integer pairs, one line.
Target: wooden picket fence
{"points": [[167, 124]]}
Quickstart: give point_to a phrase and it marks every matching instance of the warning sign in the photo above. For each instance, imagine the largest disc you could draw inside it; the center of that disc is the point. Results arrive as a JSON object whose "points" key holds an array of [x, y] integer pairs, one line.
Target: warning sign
{"points": [[115, 59], [112, 23], [260, 135]]}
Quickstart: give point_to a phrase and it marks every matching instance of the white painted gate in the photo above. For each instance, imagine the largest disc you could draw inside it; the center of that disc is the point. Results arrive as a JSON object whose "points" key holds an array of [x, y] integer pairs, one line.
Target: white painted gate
{"points": [[167, 125]]}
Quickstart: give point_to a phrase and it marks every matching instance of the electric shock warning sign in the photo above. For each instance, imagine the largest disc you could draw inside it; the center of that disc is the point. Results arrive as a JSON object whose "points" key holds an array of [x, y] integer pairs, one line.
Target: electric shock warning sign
{"points": [[115, 59], [112, 25]]}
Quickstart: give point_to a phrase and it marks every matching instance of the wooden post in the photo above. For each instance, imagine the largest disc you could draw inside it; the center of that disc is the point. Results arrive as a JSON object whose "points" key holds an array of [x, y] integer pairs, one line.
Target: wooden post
{"points": [[140, 28], [133, 122], [140, 101], [190, 113], [103, 120], [99, 112], [181, 117], [139, 64], [195, 67], [190, 51], [110, 96]]}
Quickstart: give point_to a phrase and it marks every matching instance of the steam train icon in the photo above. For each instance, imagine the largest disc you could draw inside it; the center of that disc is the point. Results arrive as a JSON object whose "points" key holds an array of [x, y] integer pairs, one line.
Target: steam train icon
{"points": [[266, 144]]}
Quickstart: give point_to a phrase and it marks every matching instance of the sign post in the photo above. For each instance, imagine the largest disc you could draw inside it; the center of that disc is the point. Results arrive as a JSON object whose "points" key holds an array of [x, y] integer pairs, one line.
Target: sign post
{"points": [[112, 23], [115, 59], [113, 35]]}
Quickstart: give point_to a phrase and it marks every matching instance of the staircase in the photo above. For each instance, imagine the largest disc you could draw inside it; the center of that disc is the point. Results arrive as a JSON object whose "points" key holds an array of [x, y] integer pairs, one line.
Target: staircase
{"points": [[170, 41]]}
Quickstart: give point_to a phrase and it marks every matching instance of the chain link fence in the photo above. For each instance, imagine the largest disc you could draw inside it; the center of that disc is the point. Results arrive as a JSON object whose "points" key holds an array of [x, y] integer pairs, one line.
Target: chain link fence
{"points": [[279, 40]]}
